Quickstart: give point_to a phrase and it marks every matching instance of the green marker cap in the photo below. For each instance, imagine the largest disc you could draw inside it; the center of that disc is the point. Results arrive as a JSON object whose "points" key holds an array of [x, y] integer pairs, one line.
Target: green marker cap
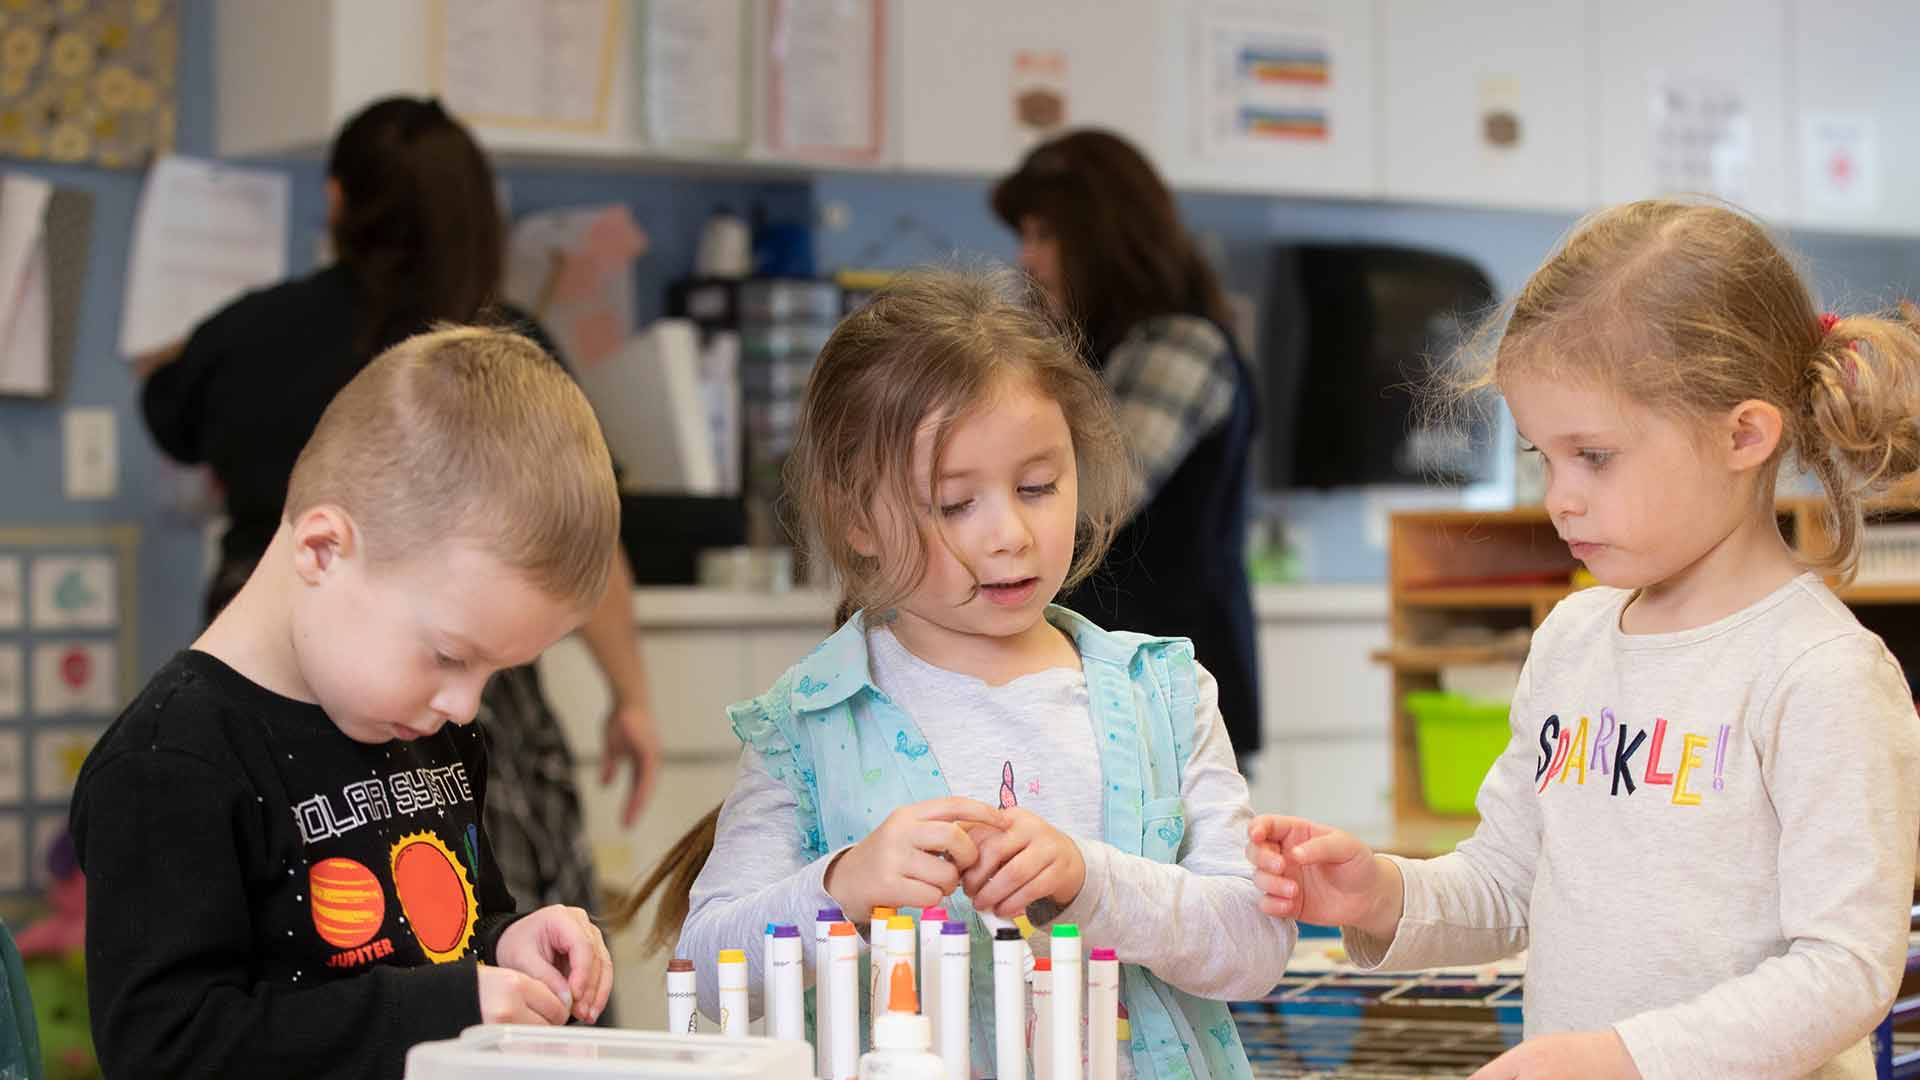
{"points": [[1066, 930]]}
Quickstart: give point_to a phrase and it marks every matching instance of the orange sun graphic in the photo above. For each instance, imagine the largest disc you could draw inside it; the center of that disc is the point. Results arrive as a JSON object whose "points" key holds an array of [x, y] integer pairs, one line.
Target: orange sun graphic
{"points": [[348, 904], [435, 895]]}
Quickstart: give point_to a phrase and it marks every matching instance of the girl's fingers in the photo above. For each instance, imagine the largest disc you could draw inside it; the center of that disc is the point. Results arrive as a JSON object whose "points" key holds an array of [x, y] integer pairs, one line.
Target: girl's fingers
{"points": [[946, 838], [932, 870], [1013, 877], [957, 808]]}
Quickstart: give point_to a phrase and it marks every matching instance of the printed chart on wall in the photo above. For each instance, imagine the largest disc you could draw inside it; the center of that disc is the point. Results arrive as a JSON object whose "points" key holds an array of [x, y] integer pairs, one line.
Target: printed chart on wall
{"points": [[1702, 137], [826, 78], [541, 67], [695, 72], [1266, 81], [66, 669]]}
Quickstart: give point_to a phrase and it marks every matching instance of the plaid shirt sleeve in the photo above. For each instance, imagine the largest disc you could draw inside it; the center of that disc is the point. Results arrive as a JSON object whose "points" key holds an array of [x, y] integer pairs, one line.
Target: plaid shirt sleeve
{"points": [[1173, 381]]}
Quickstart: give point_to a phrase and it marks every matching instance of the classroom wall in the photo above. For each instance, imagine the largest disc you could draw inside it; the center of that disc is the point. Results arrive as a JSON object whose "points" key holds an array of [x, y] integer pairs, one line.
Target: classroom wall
{"points": [[889, 221], [897, 221]]}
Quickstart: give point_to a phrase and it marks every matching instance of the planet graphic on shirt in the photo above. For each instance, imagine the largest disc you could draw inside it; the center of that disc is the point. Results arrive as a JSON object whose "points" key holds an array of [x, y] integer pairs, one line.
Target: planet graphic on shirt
{"points": [[435, 895], [348, 903]]}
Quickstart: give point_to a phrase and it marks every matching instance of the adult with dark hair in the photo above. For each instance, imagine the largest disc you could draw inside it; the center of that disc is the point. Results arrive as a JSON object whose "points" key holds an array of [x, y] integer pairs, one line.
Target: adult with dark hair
{"points": [[1099, 232], [416, 226]]}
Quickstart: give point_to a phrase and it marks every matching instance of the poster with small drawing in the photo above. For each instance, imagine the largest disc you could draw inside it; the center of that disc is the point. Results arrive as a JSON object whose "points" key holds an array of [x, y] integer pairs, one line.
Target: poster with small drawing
{"points": [[13, 681], [12, 603], [13, 852], [13, 760], [47, 830], [74, 593], [58, 754], [75, 677]]}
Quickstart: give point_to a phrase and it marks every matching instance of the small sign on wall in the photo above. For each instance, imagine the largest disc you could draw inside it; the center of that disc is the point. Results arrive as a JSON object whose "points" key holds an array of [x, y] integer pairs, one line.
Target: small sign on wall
{"points": [[75, 677], [74, 593]]}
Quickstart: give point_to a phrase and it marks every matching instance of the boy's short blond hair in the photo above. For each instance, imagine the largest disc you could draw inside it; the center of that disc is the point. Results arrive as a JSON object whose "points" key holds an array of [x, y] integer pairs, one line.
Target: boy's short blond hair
{"points": [[471, 433]]}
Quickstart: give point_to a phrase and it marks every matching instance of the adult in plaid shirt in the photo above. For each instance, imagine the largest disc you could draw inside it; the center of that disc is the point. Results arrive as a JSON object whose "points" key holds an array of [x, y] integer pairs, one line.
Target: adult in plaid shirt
{"points": [[1100, 234]]}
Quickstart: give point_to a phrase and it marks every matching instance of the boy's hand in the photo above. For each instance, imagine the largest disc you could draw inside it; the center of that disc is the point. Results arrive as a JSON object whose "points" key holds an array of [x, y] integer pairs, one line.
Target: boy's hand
{"points": [[1321, 875], [1599, 1055], [509, 997], [562, 949], [913, 859], [1026, 860]]}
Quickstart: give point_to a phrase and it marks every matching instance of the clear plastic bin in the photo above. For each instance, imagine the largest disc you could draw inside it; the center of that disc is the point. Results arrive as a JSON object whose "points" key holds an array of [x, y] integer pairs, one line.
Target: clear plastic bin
{"points": [[490, 1051]]}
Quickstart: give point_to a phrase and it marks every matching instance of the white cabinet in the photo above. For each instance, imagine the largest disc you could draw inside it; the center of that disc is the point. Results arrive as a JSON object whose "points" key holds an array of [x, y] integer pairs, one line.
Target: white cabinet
{"points": [[962, 66], [1653, 56], [1206, 51], [288, 73], [1483, 102], [1855, 134]]}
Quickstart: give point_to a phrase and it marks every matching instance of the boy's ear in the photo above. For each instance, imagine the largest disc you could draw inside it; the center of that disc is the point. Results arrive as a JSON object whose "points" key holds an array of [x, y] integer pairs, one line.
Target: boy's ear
{"points": [[861, 539], [322, 535], [1753, 429]]}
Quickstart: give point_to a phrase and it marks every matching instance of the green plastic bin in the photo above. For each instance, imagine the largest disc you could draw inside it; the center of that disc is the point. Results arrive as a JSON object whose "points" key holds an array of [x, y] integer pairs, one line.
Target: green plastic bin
{"points": [[1457, 740]]}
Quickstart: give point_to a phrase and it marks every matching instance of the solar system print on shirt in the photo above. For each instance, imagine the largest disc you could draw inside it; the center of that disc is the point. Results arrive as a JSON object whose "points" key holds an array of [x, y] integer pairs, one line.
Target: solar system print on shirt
{"points": [[391, 864], [1660, 761]]}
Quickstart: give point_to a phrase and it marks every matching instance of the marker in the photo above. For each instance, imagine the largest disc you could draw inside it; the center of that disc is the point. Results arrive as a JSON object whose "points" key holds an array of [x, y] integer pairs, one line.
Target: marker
{"points": [[956, 974], [877, 963], [1010, 956], [785, 986], [900, 942], [733, 992], [1065, 952], [822, 985], [842, 1037], [683, 997], [1103, 1015], [1041, 1049], [931, 920]]}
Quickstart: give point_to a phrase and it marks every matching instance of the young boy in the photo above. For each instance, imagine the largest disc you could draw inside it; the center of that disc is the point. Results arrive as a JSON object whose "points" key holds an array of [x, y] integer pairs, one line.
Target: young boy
{"points": [[281, 834]]}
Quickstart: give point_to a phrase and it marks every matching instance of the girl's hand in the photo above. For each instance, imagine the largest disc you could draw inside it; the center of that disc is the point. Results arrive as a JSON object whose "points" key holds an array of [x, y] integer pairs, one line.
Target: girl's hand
{"points": [[1599, 1055], [1025, 861], [1321, 875], [561, 948], [913, 859], [509, 997]]}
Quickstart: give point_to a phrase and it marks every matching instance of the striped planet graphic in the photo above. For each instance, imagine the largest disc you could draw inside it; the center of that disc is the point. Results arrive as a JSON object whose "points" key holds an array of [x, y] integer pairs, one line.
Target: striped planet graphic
{"points": [[348, 903]]}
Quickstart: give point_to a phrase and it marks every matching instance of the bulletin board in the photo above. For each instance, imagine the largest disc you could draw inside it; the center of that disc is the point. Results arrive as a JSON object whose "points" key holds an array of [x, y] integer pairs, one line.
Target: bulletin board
{"points": [[67, 655]]}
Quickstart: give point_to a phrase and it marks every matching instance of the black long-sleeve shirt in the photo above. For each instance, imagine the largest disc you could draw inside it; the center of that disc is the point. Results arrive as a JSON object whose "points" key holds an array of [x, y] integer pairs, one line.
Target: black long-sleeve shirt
{"points": [[251, 382], [267, 897]]}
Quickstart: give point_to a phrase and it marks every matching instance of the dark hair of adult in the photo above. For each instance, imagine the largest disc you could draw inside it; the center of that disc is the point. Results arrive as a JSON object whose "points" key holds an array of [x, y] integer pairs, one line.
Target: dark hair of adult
{"points": [[1124, 254], [419, 223]]}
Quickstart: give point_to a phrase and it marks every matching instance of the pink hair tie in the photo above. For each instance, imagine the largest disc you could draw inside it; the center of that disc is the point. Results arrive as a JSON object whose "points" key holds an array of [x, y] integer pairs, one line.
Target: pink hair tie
{"points": [[1828, 320]]}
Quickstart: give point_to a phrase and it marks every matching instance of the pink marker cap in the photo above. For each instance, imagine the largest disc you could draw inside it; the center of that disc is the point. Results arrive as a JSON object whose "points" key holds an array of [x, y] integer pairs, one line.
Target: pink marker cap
{"points": [[1102, 954], [934, 914]]}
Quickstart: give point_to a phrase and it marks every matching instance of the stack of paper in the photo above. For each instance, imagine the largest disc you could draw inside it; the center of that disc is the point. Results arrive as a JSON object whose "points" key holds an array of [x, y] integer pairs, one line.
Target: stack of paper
{"points": [[649, 400], [26, 357]]}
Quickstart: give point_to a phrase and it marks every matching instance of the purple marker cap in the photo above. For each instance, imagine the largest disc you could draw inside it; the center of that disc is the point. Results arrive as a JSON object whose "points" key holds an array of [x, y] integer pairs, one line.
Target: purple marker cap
{"points": [[952, 926], [830, 914], [1102, 954], [786, 930]]}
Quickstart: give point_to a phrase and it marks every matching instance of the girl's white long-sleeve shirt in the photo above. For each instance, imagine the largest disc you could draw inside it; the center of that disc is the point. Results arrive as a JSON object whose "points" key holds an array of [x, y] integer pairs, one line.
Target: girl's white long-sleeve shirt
{"points": [[1704, 839]]}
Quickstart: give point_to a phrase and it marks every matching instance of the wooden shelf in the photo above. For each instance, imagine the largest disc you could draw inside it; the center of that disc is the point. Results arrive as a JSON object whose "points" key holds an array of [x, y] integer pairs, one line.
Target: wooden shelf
{"points": [[1429, 658], [1483, 596], [1886, 592]]}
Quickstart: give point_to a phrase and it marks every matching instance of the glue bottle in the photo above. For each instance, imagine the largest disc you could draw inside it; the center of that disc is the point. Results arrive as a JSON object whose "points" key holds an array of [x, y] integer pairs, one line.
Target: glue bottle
{"points": [[902, 1038]]}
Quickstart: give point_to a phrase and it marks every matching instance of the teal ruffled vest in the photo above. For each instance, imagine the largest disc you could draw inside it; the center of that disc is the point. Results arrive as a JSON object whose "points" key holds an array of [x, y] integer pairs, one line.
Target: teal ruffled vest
{"points": [[850, 757]]}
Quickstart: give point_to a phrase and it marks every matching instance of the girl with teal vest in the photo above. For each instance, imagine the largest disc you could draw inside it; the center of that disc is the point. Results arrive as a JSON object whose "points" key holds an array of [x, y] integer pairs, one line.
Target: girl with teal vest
{"points": [[960, 741]]}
